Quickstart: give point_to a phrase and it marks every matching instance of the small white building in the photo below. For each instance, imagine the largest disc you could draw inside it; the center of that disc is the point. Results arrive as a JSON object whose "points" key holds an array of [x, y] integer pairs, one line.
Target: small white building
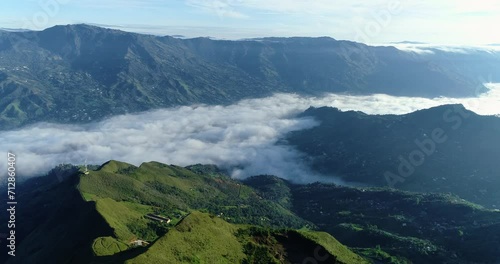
{"points": [[139, 243]]}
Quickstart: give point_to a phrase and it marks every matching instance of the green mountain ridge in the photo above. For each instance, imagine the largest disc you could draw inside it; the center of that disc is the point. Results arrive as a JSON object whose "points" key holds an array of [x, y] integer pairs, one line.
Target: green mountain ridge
{"points": [[81, 73], [95, 217], [445, 149], [118, 196]]}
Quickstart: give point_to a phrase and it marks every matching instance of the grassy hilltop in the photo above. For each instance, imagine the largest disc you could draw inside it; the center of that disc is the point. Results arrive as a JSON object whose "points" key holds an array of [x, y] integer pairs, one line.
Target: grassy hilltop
{"points": [[95, 218], [72, 217]]}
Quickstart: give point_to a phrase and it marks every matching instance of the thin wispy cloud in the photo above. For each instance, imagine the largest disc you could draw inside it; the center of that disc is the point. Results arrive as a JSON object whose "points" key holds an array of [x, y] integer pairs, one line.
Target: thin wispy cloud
{"points": [[393, 19], [291, 7], [221, 8], [119, 4], [361, 7], [377, 21]]}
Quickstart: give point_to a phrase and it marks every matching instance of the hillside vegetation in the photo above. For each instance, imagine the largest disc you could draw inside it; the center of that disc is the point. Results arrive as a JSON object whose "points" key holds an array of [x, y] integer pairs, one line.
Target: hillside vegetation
{"points": [[201, 238], [104, 217], [445, 149], [395, 226], [81, 73], [104, 214]]}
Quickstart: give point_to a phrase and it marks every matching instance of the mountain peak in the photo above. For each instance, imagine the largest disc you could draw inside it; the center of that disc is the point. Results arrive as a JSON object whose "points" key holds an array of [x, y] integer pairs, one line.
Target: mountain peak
{"points": [[114, 166], [78, 28], [443, 108]]}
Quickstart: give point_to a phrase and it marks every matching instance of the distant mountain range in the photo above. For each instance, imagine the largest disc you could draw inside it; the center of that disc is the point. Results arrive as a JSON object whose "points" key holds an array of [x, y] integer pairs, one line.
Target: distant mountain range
{"points": [[14, 29], [409, 42], [446, 149], [81, 73], [102, 217]]}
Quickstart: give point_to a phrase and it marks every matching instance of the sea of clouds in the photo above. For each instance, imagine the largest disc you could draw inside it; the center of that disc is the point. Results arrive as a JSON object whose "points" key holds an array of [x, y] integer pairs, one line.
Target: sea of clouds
{"points": [[423, 48], [241, 137]]}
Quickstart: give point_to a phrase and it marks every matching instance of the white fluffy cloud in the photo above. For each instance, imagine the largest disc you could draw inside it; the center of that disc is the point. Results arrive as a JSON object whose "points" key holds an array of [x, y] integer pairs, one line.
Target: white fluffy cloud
{"points": [[242, 137]]}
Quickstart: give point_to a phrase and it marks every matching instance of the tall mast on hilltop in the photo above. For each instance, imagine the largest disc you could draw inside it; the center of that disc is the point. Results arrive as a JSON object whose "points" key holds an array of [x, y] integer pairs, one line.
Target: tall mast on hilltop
{"points": [[86, 171]]}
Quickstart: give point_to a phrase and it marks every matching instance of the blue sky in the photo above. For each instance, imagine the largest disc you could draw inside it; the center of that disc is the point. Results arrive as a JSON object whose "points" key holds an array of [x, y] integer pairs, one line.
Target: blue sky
{"points": [[375, 21]]}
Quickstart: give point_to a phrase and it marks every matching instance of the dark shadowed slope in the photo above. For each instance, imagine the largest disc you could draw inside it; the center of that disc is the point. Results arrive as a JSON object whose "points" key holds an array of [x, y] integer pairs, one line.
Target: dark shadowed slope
{"points": [[393, 226], [445, 149]]}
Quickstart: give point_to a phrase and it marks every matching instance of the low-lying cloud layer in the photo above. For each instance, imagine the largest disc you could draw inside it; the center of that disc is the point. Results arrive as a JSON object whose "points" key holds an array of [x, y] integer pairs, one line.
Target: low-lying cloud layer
{"points": [[422, 48], [241, 137]]}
